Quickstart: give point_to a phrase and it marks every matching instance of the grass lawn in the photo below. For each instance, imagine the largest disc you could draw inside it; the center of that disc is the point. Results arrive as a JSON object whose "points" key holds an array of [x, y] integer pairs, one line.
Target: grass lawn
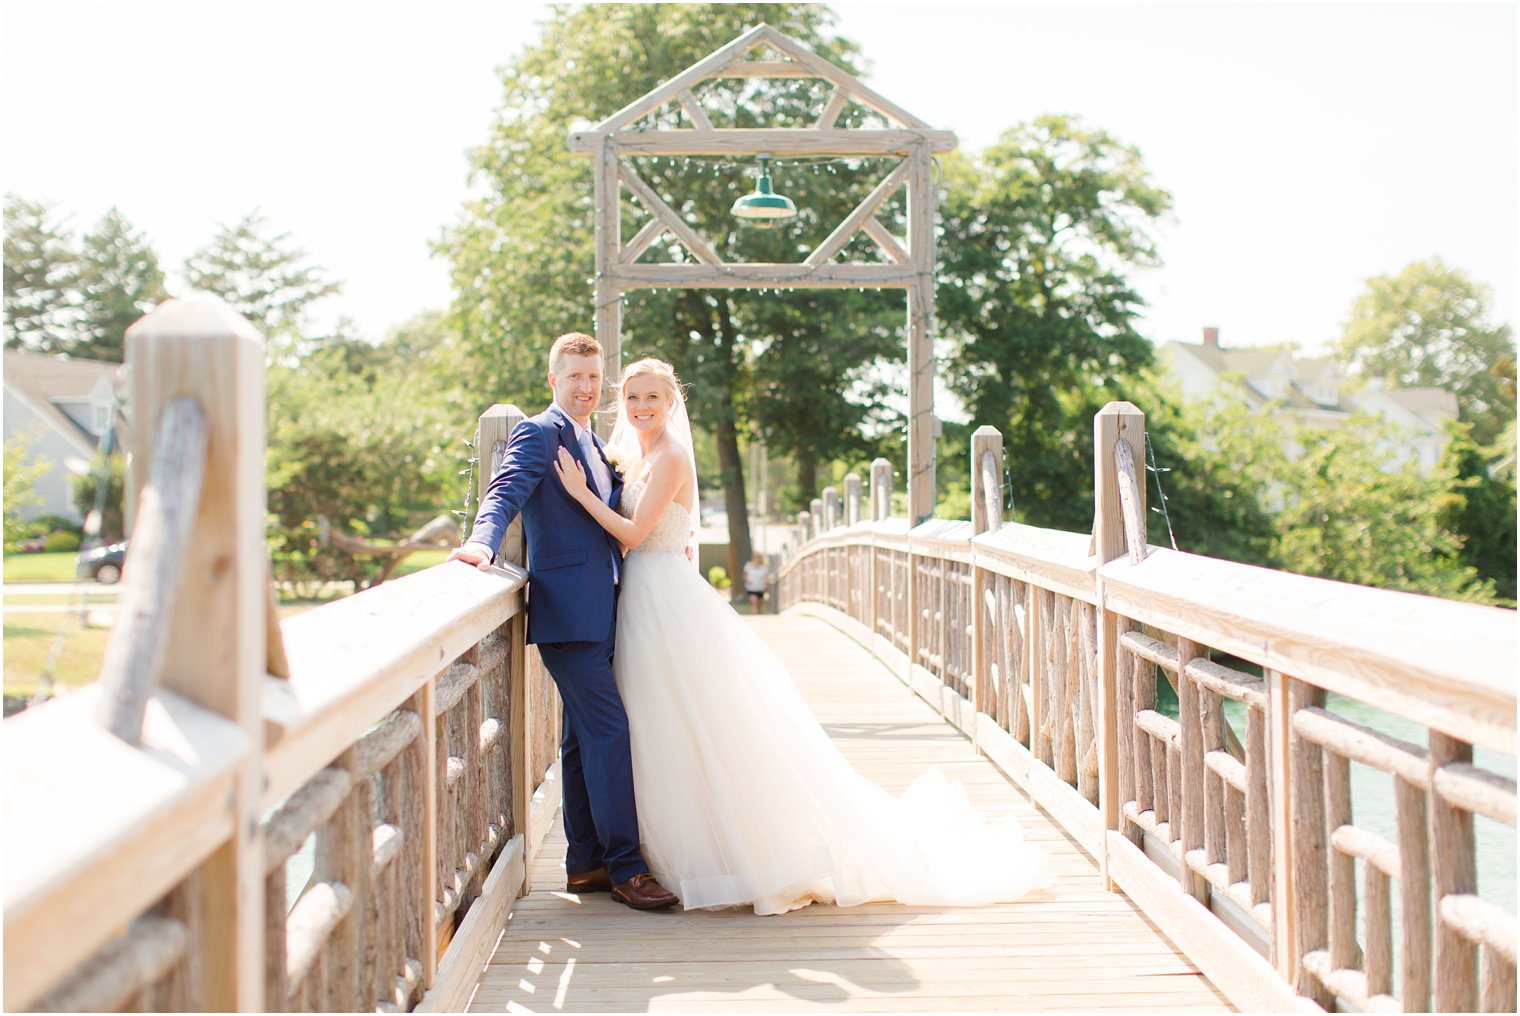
{"points": [[420, 560], [63, 598], [29, 639], [60, 567], [55, 567]]}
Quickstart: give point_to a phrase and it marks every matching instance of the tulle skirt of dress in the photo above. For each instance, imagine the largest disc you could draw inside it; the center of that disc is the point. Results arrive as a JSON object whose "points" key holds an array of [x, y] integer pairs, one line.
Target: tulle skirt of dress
{"points": [[742, 797]]}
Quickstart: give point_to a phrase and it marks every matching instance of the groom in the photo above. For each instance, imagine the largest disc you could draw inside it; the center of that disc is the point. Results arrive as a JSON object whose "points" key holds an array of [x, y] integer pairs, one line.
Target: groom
{"points": [[572, 607]]}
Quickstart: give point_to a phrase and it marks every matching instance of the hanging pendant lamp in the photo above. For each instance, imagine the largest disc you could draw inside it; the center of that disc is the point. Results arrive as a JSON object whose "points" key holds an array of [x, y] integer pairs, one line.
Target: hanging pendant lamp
{"points": [[764, 207]]}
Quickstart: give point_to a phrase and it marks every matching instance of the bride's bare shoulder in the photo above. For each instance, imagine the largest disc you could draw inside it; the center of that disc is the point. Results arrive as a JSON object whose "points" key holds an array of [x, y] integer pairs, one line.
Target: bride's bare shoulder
{"points": [[671, 461]]}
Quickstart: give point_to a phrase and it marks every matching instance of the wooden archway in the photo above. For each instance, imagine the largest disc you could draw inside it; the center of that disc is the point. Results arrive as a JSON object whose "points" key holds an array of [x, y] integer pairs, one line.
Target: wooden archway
{"points": [[910, 260]]}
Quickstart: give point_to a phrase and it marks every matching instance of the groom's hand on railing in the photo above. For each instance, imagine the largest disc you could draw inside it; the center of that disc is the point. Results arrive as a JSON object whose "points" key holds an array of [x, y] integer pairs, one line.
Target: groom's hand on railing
{"points": [[472, 553]]}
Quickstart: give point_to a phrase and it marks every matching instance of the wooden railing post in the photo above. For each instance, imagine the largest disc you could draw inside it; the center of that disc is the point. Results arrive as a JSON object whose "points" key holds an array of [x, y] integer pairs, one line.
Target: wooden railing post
{"points": [[830, 508], [986, 480], [1455, 873], [1310, 844], [881, 490], [816, 523], [491, 434], [1114, 422], [986, 515], [1284, 951], [215, 655], [804, 528], [851, 499], [910, 577]]}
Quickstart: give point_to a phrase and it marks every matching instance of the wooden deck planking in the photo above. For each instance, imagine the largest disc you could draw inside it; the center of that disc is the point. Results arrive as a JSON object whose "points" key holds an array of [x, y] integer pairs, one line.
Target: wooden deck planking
{"points": [[1071, 946]]}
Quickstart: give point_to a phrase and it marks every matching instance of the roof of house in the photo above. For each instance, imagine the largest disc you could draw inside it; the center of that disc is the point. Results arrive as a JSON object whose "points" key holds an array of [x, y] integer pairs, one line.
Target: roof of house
{"points": [[1253, 361], [1433, 405], [1313, 367], [1426, 402], [41, 380]]}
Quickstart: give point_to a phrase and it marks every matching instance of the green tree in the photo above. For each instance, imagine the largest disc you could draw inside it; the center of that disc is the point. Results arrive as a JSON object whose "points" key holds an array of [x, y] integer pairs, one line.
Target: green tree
{"points": [[41, 268], [1212, 496], [365, 437], [21, 498], [1344, 508], [1039, 231], [522, 252], [263, 275], [119, 280], [86, 489], [1428, 326], [1480, 508], [818, 390]]}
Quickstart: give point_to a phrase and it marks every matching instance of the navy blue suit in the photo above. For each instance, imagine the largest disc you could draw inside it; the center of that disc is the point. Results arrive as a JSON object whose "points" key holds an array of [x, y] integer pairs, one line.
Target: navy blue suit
{"points": [[572, 610]]}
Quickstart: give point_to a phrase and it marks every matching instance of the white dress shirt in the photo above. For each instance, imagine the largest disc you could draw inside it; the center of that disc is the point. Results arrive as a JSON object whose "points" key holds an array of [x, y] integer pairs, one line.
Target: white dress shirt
{"points": [[596, 469]]}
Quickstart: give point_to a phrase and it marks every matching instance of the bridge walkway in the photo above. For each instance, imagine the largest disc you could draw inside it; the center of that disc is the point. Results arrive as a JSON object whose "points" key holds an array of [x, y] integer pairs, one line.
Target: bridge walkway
{"points": [[1071, 946]]}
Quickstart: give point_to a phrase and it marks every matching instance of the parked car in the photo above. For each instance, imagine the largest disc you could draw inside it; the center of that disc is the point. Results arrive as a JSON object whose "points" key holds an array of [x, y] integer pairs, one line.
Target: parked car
{"points": [[103, 564]]}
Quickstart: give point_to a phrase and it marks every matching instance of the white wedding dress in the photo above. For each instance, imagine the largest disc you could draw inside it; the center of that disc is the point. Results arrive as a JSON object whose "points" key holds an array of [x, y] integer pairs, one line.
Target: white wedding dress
{"points": [[742, 797]]}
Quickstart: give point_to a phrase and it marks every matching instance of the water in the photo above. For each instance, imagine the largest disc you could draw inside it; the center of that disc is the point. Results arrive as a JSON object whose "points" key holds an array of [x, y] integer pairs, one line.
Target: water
{"points": [[1373, 809], [1372, 806]]}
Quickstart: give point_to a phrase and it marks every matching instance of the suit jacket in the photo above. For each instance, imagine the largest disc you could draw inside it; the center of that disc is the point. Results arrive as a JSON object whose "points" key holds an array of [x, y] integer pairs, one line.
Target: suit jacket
{"points": [[570, 556]]}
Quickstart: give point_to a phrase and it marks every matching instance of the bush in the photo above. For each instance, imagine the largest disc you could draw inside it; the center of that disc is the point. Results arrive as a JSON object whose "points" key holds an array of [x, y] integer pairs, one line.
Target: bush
{"points": [[59, 524], [57, 542], [86, 493], [717, 575]]}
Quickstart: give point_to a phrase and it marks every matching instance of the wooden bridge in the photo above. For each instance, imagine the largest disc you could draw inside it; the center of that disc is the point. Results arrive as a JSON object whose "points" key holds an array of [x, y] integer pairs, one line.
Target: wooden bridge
{"points": [[403, 739], [564, 952]]}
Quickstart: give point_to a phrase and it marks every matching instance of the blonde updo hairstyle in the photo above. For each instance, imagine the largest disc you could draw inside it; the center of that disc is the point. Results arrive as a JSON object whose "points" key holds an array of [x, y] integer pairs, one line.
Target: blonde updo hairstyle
{"points": [[654, 368]]}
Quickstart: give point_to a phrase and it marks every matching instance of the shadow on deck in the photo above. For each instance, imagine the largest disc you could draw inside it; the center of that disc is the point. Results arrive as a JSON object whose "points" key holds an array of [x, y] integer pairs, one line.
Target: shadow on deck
{"points": [[1070, 946]]}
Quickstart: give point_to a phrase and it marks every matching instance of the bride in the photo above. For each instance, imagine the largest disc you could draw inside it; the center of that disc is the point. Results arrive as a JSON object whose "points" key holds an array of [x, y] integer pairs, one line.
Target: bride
{"points": [[745, 800]]}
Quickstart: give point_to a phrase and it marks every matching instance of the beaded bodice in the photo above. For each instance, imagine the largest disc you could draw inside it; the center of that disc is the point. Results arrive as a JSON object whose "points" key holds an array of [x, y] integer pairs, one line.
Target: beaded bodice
{"points": [[670, 534]]}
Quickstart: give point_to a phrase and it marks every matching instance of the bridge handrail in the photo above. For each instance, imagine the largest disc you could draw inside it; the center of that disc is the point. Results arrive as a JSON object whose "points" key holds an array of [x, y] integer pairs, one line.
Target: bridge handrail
{"points": [[97, 830], [351, 662], [1437, 662], [404, 738], [1240, 844], [1407, 663]]}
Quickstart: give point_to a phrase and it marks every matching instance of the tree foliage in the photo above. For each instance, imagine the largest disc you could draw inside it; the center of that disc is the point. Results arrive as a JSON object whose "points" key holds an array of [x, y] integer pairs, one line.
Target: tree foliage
{"points": [[21, 497], [262, 275], [1039, 233], [79, 300], [1343, 508], [522, 252], [41, 268], [1479, 507], [1212, 495], [819, 387], [112, 469], [1428, 326], [119, 280], [367, 437]]}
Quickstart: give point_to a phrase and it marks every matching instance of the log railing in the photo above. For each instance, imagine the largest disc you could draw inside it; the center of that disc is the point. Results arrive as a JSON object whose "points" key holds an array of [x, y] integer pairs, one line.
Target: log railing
{"points": [[1185, 719], [159, 823]]}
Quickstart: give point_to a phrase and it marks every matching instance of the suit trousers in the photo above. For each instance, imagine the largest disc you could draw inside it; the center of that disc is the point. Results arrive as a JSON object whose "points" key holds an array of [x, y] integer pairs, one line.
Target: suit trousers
{"points": [[601, 820]]}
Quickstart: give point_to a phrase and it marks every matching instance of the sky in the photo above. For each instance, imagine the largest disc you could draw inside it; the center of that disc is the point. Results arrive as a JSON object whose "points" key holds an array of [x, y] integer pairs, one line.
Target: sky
{"points": [[1307, 147]]}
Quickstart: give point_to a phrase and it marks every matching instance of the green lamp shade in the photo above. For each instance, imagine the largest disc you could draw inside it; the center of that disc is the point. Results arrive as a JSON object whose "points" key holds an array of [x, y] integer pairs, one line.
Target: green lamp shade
{"points": [[764, 206]]}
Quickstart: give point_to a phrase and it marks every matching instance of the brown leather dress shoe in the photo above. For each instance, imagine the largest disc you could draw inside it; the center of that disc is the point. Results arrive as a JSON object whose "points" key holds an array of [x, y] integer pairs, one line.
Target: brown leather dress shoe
{"points": [[595, 881], [642, 892]]}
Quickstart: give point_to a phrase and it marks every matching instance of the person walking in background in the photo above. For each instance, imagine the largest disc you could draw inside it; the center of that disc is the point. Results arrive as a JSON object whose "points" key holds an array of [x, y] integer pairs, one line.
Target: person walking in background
{"points": [[757, 577]]}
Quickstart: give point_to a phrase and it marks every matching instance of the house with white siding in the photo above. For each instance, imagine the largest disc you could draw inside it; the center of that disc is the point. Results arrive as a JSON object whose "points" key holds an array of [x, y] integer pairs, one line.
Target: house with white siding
{"points": [[61, 406], [1312, 391]]}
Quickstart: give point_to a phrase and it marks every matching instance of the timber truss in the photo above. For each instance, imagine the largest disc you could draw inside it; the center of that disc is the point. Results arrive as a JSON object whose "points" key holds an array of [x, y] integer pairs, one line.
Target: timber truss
{"points": [[910, 259]]}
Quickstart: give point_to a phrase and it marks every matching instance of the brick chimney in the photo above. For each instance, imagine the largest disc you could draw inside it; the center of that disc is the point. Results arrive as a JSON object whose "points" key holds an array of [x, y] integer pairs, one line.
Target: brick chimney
{"points": [[1211, 336]]}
